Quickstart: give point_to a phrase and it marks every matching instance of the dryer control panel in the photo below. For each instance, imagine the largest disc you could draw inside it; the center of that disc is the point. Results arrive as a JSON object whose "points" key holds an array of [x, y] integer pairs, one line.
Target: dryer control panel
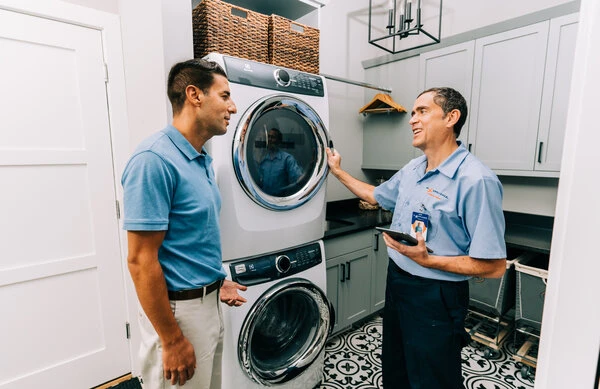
{"points": [[262, 75], [274, 266]]}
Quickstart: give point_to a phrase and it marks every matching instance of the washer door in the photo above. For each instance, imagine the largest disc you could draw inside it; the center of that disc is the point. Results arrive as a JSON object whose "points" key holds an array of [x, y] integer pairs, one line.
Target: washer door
{"points": [[284, 332], [279, 152]]}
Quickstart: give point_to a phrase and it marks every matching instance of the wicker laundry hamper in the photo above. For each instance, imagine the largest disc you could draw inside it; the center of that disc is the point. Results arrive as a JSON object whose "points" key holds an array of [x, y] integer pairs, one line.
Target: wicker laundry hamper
{"points": [[293, 45], [228, 29]]}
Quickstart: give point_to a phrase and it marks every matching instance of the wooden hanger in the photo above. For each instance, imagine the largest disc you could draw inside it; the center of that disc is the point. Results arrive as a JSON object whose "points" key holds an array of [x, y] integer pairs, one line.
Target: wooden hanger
{"points": [[382, 103]]}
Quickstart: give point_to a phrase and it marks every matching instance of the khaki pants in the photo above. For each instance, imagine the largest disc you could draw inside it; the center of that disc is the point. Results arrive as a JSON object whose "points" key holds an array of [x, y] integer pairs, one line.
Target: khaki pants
{"points": [[201, 322]]}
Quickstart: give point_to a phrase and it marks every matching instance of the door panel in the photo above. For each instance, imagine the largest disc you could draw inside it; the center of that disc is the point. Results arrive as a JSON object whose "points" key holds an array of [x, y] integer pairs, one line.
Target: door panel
{"points": [[61, 278], [506, 98]]}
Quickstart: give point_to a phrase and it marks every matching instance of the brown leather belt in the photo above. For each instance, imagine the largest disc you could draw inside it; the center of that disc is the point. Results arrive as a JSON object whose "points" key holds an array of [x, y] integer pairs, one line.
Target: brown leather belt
{"points": [[190, 294]]}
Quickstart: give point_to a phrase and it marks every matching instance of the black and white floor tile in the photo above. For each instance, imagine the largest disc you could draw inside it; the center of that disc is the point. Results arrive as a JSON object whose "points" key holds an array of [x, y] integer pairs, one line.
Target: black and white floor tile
{"points": [[353, 361]]}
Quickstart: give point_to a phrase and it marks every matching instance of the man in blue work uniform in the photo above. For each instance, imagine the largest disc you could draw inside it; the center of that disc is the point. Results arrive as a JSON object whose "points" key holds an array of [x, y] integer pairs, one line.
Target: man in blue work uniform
{"points": [[458, 201], [279, 171], [172, 206]]}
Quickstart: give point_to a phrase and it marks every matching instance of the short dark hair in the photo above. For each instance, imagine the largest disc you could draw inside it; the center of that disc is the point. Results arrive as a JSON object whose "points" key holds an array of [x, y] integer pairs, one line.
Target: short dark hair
{"points": [[277, 133], [198, 72], [450, 99]]}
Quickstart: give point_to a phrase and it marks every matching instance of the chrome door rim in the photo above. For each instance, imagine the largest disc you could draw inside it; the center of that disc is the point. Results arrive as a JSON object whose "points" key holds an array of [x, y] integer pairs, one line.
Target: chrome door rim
{"points": [[318, 341], [240, 165]]}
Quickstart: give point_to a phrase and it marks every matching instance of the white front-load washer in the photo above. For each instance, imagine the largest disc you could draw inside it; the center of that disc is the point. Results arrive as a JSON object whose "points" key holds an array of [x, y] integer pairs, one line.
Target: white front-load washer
{"points": [[278, 337], [272, 188]]}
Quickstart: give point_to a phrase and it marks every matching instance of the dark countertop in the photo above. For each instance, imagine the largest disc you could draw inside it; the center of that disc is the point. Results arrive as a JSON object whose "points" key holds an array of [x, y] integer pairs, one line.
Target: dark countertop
{"points": [[528, 232], [344, 217]]}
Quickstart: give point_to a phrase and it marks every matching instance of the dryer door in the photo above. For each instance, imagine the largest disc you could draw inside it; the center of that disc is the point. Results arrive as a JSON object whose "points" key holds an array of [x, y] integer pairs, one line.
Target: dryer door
{"points": [[284, 332], [279, 152]]}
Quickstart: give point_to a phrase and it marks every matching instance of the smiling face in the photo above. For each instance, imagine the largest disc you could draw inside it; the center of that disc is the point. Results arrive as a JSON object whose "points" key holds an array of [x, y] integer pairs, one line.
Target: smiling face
{"points": [[430, 126], [217, 106]]}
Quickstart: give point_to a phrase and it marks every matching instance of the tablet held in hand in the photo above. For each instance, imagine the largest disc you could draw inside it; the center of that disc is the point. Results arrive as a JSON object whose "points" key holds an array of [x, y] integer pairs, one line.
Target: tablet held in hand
{"points": [[401, 237]]}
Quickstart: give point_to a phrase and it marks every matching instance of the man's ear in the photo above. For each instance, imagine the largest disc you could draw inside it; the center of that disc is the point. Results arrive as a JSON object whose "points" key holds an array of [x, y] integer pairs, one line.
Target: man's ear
{"points": [[194, 95], [452, 117]]}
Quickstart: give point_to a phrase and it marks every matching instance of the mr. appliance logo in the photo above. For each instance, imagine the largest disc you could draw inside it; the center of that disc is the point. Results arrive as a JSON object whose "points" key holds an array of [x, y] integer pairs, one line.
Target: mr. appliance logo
{"points": [[435, 194]]}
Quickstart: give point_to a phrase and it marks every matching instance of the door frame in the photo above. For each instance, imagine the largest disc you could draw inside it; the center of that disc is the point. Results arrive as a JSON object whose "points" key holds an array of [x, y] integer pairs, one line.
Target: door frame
{"points": [[109, 26]]}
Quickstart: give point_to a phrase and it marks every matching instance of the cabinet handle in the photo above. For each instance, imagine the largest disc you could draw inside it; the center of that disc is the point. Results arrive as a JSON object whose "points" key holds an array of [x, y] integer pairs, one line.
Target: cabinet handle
{"points": [[469, 147], [376, 243], [348, 274], [540, 152], [343, 273]]}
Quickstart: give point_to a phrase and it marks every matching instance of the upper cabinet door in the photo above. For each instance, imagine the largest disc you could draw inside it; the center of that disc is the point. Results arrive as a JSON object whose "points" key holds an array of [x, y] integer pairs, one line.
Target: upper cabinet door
{"points": [[506, 98], [449, 67], [555, 98]]}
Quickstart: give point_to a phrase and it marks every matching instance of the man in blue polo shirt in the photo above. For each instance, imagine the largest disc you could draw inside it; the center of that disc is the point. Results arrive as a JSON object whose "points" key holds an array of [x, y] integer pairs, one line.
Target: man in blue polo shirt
{"points": [[456, 202], [171, 205]]}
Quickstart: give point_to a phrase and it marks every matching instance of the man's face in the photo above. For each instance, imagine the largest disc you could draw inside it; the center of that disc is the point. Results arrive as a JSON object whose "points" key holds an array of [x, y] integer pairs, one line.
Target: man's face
{"points": [[217, 106], [272, 140], [428, 122]]}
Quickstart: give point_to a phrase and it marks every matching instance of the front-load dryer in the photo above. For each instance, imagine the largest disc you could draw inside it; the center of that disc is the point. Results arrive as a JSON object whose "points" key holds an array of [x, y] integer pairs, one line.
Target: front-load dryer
{"points": [[278, 337], [271, 165]]}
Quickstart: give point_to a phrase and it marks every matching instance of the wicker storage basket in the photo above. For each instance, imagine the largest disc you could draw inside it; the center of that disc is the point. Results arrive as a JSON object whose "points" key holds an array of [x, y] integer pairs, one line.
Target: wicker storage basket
{"points": [[293, 45], [227, 29]]}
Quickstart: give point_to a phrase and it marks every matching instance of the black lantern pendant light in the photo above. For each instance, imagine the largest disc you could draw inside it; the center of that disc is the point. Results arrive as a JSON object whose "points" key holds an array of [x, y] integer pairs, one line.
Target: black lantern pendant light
{"points": [[401, 25]]}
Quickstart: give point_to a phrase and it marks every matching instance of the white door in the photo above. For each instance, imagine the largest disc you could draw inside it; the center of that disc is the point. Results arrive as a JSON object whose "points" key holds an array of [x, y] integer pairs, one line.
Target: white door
{"points": [[61, 276]]}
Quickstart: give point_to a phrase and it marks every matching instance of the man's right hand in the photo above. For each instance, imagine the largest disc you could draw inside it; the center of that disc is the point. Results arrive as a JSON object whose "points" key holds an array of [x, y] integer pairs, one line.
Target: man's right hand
{"points": [[179, 360], [334, 161]]}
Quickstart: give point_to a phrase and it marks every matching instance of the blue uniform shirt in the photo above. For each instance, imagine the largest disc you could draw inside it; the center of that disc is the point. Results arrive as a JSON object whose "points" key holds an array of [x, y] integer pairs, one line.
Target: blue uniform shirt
{"points": [[278, 172], [463, 199], [169, 186]]}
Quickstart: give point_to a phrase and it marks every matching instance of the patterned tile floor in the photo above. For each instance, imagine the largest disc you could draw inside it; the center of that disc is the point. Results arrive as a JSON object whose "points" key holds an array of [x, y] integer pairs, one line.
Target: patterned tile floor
{"points": [[353, 361]]}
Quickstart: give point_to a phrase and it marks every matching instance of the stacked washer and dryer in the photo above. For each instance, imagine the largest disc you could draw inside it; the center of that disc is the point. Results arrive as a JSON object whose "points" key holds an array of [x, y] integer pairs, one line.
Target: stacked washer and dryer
{"points": [[271, 169]]}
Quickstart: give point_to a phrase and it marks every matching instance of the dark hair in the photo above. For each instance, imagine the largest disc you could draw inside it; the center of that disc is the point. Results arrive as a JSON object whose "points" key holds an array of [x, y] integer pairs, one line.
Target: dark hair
{"points": [[449, 99], [197, 72], [278, 133]]}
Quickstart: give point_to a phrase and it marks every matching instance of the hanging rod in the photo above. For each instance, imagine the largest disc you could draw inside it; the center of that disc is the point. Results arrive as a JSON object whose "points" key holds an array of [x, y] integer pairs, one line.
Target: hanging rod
{"points": [[363, 84]]}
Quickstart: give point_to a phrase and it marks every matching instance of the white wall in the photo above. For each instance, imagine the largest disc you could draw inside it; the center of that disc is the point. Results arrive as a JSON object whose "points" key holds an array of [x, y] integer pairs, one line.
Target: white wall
{"points": [[571, 328], [343, 33]]}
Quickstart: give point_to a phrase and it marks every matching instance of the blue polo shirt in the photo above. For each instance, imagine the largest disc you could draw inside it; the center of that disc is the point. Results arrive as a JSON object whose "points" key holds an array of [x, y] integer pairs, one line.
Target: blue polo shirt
{"points": [[463, 199], [169, 186]]}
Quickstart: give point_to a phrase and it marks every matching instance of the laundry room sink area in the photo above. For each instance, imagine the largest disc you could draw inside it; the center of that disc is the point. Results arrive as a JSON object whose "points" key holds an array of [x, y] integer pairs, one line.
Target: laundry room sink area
{"points": [[333, 224], [344, 217]]}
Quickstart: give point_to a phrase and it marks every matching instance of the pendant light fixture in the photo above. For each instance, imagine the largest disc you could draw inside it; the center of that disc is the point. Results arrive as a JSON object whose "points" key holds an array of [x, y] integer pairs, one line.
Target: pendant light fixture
{"points": [[401, 25]]}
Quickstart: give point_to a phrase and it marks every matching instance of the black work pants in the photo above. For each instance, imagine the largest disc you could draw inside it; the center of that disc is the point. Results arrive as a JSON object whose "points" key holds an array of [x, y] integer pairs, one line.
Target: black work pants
{"points": [[423, 331]]}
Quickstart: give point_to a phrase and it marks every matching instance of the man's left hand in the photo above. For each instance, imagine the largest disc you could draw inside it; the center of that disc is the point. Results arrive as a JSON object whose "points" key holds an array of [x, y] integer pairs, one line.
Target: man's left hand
{"points": [[229, 293], [417, 253]]}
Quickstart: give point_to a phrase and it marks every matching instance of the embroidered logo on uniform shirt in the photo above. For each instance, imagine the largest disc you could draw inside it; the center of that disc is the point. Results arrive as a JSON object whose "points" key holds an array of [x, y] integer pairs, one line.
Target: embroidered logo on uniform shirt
{"points": [[435, 194]]}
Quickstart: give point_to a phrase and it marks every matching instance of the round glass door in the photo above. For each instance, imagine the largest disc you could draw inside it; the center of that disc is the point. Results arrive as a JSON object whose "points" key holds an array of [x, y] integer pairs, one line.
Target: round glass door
{"points": [[284, 332], [279, 152]]}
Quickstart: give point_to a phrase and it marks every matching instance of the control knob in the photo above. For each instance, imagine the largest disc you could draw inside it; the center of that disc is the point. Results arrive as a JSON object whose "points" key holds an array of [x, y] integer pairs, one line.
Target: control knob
{"points": [[283, 263], [282, 77]]}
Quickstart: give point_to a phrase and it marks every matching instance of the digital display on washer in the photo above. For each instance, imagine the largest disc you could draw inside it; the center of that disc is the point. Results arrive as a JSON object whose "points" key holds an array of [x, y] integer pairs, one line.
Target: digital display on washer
{"points": [[246, 72], [274, 266]]}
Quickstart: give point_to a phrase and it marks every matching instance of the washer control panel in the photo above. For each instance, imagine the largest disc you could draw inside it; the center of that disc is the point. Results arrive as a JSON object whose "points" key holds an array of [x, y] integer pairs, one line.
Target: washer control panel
{"points": [[265, 268], [262, 75]]}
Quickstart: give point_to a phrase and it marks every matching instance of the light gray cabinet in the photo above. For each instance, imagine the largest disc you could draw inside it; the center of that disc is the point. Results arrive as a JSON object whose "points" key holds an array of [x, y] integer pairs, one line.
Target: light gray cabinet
{"points": [[352, 275], [378, 272], [506, 99], [555, 97], [449, 67], [349, 261], [356, 275]]}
